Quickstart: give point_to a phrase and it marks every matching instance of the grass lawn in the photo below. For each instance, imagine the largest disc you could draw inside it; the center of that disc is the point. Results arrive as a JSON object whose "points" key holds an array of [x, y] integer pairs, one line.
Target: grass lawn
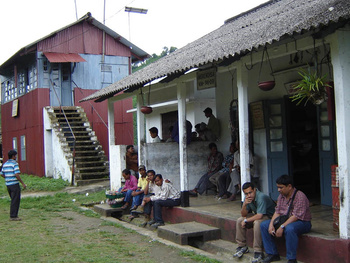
{"points": [[56, 229]]}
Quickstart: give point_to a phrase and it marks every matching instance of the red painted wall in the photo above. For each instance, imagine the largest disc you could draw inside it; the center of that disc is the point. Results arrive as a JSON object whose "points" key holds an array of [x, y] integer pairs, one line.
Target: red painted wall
{"points": [[123, 122], [29, 122]]}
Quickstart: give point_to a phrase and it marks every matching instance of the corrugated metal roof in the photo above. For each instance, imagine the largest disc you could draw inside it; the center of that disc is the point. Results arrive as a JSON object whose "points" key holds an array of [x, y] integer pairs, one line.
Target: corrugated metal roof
{"points": [[262, 25], [62, 58], [136, 51]]}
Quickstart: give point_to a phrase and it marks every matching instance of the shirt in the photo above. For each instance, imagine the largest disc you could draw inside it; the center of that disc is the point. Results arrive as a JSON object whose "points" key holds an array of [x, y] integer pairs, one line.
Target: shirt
{"points": [[300, 207], [131, 183], [155, 139], [262, 204], [215, 162], [142, 182], [214, 126], [10, 169], [167, 191], [226, 163]]}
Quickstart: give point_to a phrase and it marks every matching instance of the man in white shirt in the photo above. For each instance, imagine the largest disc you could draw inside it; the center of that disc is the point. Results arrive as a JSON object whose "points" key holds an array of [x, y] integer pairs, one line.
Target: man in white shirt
{"points": [[167, 196], [154, 134]]}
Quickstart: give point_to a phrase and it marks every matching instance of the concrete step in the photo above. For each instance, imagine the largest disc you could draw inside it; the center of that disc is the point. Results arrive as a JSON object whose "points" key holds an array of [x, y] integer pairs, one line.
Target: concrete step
{"points": [[189, 233]]}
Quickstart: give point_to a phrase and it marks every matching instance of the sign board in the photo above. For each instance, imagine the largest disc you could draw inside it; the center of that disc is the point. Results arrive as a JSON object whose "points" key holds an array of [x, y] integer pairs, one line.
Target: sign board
{"points": [[257, 112], [206, 79], [15, 108]]}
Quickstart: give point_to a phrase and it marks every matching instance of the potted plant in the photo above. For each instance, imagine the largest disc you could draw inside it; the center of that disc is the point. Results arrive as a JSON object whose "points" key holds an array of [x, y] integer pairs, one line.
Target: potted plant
{"points": [[311, 87]]}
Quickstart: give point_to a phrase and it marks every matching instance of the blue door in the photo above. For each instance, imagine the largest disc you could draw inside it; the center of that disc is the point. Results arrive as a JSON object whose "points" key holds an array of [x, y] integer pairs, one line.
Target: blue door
{"points": [[326, 153], [276, 135], [60, 85]]}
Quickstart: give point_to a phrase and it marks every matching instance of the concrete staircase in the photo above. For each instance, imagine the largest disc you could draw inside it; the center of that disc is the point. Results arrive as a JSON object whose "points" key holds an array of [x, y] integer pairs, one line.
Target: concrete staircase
{"points": [[90, 161]]}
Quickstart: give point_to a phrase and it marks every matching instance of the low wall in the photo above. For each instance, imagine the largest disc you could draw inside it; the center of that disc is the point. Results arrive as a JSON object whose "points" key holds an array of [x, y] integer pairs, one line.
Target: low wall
{"points": [[164, 159]]}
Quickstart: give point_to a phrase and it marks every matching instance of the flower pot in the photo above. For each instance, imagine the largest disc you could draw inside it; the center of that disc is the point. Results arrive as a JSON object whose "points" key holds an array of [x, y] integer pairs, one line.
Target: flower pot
{"points": [[266, 85], [146, 109]]}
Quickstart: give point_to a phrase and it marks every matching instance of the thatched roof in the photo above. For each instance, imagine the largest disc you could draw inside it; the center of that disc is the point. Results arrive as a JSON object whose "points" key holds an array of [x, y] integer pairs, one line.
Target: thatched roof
{"points": [[264, 24]]}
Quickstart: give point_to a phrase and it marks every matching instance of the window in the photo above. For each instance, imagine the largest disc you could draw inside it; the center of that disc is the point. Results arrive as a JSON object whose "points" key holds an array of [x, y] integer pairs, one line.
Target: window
{"points": [[14, 143], [23, 148]]}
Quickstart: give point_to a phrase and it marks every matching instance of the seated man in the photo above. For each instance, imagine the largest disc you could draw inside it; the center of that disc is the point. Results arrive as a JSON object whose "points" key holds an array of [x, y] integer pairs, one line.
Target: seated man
{"points": [[129, 187], [139, 193], [154, 135], [167, 196], [131, 160], [235, 175], [223, 174], [213, 125], [215, 159], [299, 221], [256, 208]]}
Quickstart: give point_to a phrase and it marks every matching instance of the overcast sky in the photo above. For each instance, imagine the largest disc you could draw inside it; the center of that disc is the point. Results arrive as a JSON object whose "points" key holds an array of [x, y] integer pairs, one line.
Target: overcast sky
{"points": [[167, 23]]}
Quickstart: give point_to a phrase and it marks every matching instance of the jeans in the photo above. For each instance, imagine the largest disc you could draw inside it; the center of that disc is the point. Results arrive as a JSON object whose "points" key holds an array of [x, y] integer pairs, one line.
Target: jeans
{"points": [[127, 195], [15, 194], [291, 234], [159, 204], [137, 199], [203, 183]]}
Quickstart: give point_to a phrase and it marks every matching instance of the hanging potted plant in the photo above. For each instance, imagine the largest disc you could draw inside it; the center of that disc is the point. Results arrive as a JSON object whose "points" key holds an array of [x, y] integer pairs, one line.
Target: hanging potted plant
{"points": [[311, 87], [146, 109], [269, 84]]}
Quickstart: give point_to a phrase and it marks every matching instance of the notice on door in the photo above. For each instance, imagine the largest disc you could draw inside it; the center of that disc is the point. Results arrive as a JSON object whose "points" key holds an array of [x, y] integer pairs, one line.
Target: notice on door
{"points": [[257, 113]]}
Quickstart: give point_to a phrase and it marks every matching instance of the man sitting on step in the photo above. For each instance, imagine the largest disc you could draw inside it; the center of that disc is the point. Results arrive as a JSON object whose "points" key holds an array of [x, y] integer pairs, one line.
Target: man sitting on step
{"points": [[167, 196], [256, 208]]}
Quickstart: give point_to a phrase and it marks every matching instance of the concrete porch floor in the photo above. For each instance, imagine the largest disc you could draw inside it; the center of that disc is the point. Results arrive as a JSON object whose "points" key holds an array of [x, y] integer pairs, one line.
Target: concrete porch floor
{"points": [[322, 216], [322, 244]]}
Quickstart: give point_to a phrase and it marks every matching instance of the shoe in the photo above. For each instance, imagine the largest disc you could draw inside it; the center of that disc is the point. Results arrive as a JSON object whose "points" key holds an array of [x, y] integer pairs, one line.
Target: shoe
{"points": [[15, 219], [139, 210], [133, 208], [124, 207], [231, 198], [258, 257], [270, 258], [144, 224], [292, 261], [151, 222], [240, 251], [156, 225], [193, 193]]}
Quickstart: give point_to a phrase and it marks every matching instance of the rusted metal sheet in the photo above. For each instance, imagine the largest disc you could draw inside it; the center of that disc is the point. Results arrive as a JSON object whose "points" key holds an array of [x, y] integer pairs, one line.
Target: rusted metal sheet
{"points": [[83, 38], [62, 57]]}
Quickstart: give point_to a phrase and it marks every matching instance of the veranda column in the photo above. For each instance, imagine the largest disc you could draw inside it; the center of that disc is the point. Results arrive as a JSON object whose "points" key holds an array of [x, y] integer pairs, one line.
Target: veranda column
{"points": [[341, 67], [243, 121], [181, 97], [141, 138]]}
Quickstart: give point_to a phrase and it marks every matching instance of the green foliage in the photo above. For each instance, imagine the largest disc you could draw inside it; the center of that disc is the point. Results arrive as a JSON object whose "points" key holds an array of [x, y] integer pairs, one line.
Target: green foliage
{"points": [[153, 58], [36, 183], [198, 258], [310, 88]]}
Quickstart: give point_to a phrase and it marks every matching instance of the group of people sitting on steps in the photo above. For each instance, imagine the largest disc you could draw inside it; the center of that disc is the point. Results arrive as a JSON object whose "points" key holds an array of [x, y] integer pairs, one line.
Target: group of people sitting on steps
{"points": [[147, 192]]}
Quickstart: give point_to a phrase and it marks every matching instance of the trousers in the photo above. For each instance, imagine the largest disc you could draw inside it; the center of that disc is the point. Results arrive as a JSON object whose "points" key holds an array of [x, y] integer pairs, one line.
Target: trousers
{"points": [[159, 204], [15, 195]]}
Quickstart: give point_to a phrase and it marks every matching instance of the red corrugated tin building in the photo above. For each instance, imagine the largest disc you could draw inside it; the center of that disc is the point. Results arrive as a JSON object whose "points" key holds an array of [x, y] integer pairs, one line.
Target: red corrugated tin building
{"points": [[59, 70]]}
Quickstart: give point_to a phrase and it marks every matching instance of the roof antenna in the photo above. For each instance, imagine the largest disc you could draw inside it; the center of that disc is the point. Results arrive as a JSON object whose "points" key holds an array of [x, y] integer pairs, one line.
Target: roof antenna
{"points": [[76, 11]]}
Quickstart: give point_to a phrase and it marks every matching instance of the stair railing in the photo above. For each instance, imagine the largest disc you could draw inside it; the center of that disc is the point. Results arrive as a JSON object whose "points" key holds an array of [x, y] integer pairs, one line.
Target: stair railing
{"points": [[70, 128], [93, 108]]}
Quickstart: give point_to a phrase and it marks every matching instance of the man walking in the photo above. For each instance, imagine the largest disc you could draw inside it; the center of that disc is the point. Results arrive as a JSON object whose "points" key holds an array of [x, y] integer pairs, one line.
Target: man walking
{"points": [[10, 171], [256, 208], [299, 221]]}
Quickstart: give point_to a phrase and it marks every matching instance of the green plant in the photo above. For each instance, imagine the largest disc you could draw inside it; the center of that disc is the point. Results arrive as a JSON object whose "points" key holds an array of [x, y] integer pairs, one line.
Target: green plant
{"points": [[311, 87]]}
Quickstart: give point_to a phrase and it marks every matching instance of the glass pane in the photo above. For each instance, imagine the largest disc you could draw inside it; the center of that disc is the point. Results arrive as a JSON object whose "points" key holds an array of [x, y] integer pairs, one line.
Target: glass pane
{"points": [[324, 130], [275, 134], [275, 109], [276, 146], [275, 121], [326, 145], [324, 116]]}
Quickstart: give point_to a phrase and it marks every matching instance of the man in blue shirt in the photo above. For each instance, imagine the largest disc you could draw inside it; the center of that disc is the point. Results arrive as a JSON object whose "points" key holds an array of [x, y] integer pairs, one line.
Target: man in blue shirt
{"points": [[10, 171]]}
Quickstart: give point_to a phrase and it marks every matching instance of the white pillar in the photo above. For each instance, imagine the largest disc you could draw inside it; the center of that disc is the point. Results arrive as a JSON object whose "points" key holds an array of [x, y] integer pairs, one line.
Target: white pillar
{"points": [[141, 139], [340, 51], [181, 96], [114, 164], [242, 85]]}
